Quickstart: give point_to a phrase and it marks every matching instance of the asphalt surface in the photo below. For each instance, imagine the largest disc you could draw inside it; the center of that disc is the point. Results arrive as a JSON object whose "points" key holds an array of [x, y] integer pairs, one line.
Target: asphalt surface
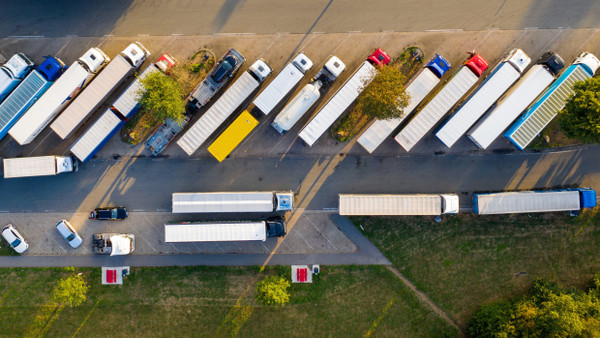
{"points": [[163, 17]]}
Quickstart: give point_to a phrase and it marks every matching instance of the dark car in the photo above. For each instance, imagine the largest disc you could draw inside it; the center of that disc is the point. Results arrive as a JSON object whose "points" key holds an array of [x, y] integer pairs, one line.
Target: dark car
{"points": [[109, 213], [225, 68]]}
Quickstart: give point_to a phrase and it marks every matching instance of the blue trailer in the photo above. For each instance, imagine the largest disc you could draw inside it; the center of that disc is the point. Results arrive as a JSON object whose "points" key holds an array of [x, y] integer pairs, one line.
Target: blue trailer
{"points": [[28, 91], [544, 109], [514, 202]]}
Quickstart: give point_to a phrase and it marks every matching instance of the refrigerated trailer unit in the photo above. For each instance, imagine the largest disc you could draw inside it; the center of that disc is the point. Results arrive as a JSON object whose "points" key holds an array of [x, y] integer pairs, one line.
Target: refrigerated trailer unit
{"points": [[13, 72], [458, 85], [123, 65], [66, 88], [118, 114], [343, 98], [544, 109], [235, 95], [514, 202], [417, 89], [38, 166], [285, 81], [28, 91], [395, 205], [224, 231], [308, 96], [516, 100], [501, 78], [217, 202]]}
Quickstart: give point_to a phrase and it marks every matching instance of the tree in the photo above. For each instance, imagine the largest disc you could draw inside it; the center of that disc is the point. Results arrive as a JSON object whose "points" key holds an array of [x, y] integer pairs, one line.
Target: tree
{"points": [[162, 97], [273, 290], [70, 291], [581, 116], [385, 97]]}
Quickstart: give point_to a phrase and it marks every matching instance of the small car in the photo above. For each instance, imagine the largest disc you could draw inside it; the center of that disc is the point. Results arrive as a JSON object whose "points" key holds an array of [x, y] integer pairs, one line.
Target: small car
{"points": [[69, 233], [109, 213], [14, 238], [226, 68]]}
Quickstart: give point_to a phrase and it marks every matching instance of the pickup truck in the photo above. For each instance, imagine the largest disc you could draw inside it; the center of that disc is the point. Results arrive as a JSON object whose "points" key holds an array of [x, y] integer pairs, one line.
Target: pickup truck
{"points": [[113, 244], [109, 213]]}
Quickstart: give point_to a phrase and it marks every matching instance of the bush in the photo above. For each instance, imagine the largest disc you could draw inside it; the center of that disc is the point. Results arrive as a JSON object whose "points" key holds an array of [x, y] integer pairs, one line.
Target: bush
{"points": [[273, 290]]}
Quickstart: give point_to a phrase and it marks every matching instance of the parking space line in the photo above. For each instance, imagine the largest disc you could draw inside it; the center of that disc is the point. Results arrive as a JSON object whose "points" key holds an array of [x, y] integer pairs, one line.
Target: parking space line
{"points": [[586, 40], [322, 234], [305, 241], [269, 46], [174, 247], [218, 246], [131, 226]]}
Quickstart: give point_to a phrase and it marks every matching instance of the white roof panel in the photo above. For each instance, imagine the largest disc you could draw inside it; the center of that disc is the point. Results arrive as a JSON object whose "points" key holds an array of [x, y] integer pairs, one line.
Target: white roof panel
{"points": [[29, 166], [222, 202], [287, 79], [527, 201], [427, 118], [215, 232], [218, 113], [94, 136], [338, 103], [385, 205], [129, 99]]}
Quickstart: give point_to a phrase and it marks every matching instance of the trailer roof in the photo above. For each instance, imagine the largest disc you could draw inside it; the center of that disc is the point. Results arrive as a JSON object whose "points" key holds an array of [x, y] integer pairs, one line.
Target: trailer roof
{"points": [[29, 166], [215, 202], [287, 79], [215, 232], [87, 145], [386, 205], [526, 201]]}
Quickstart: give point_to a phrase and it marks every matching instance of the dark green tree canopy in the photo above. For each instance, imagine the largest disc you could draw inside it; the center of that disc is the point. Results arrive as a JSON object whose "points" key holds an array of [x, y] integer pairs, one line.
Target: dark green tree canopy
{"points": [[162, 97], [385, 97], [581, 116]]}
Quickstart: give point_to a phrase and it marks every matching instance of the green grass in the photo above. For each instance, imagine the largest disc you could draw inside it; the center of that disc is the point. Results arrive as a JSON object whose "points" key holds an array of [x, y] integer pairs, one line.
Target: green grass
{"points": [[213, 301], [467, 261]]}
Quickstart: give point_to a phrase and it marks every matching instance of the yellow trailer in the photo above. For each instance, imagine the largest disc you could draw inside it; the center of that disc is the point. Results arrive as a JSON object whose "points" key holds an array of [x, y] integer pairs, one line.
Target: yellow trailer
{"points": [[233, 135]]}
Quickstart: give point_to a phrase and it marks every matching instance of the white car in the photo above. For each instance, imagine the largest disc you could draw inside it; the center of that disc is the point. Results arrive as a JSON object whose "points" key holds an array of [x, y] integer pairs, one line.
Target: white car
{"points": [[14, 238], [69, 233]]}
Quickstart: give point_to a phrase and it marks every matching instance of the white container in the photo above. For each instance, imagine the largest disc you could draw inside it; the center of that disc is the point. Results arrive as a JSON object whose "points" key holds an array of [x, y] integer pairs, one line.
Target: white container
{"points": [[216, 232], [219, 202], [526, 201], [398, 205], [37, 166], [94, 137]]}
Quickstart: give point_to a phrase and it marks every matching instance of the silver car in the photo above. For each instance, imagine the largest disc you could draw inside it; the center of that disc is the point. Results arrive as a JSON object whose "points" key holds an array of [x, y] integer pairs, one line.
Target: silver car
{"points": [[69, 233], [14, 238]]}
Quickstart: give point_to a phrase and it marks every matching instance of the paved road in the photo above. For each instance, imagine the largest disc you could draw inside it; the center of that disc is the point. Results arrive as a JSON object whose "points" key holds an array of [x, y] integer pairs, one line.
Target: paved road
{"points": [[164, 17], [146, 184]]}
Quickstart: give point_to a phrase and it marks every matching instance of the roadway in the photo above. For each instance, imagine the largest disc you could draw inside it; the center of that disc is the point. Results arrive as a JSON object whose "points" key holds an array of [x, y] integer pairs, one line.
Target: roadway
{"points": [[164, 17]]}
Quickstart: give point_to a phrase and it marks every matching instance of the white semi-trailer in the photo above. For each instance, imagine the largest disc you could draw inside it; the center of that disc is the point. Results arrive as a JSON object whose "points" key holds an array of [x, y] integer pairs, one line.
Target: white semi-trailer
{"points": [[343, 98], [123, 65], [283, 83], [460, 83], [512, 104], [216, 202], [308, 96], [388, 205], [417, 89], [513, 202], [554, 99], [38, 166], [501, 78], [235, 95], [224, 231], [64, 90], [13, 72]]}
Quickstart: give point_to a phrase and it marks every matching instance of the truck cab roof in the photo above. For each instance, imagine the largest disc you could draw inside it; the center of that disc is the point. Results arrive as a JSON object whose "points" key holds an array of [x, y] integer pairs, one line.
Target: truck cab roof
{"points": [[335, 66], [588, 60], [438, 65], [165, 62], [136, 53], [51, 68], [19, 64], [261, 69], [552, 61], [94, 59], [379, 57], [477, 64], [518, 59], [275, 227], [303, 63]]}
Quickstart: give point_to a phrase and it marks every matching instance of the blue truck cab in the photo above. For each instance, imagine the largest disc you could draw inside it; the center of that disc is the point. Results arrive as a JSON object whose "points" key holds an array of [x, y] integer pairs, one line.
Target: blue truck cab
{"points": [[438, 65], [587, 197]]}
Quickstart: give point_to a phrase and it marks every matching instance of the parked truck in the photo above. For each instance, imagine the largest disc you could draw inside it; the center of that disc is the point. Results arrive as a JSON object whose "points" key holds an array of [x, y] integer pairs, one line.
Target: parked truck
{"points": [[516, 100], [308, 96], [514, 202], [283, 83], [554, 99], [388, 205], [216, 202], [497, 83], [113, 244], [123, 65], [28, 91], [13, 72], [164, 134], [223, 71], [459, 84], [120, 112], [241, 127], [38, 166], [235, 95], [75, 78], [224, 231], [343, 98], [417, 89]]}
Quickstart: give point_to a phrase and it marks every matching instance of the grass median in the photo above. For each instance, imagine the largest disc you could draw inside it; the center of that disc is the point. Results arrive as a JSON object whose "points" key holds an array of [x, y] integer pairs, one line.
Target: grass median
{"points": [[216, 301], [469, 260]]}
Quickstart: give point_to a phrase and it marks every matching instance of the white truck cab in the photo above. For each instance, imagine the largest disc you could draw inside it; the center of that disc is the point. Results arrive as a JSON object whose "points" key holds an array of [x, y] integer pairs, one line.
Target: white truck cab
{"points": [[261, 69], [94, 59], [136, 53]]}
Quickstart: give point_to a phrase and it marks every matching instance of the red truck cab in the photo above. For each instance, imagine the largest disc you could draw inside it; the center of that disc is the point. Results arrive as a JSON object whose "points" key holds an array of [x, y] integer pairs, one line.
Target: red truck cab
{"points": [[379, 58], [166, 62], [476, 64]]}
